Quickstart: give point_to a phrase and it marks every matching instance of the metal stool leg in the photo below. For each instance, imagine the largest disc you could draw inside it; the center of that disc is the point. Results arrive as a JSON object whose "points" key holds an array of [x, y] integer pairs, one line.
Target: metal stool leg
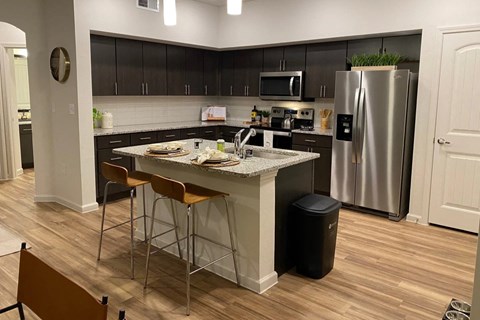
{"points": [[232, 245], [180, 254], [132, 264], [144, 216], [188, 260], [150, 241], [194, 232], [105, 192]]}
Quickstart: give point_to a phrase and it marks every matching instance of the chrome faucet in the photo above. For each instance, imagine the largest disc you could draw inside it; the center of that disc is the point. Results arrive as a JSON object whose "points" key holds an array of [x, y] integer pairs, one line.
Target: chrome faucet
{"points": [[239, 145]]}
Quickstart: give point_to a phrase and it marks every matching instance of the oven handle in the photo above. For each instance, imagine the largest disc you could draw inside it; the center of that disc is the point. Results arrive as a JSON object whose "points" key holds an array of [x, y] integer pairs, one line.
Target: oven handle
{"points": [[275, 133]]}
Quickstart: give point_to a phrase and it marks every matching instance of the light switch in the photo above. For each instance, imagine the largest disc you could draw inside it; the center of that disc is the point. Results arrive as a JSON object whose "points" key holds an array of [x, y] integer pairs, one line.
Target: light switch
{"points": [[71, 108]]}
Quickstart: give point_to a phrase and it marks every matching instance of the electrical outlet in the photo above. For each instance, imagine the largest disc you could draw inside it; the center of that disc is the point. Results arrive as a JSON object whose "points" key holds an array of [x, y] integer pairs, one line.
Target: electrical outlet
{"points": [[71, 108]]}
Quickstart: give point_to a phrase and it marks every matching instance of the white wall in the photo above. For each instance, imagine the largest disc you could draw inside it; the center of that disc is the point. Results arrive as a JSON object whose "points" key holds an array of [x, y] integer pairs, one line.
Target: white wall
{"points": [[11, 36]]}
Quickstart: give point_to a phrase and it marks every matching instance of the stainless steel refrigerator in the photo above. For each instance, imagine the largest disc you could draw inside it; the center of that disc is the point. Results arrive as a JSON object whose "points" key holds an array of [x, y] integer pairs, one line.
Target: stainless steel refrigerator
{"points": [[373, 140]]}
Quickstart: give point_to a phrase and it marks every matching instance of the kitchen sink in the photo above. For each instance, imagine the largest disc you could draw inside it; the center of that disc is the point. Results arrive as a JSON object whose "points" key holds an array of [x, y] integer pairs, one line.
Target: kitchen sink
{"points": [[268, 155]]}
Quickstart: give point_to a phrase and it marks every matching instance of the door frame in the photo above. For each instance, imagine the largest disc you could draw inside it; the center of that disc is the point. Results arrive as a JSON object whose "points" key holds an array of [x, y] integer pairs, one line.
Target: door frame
{"points": [[420, 193]]}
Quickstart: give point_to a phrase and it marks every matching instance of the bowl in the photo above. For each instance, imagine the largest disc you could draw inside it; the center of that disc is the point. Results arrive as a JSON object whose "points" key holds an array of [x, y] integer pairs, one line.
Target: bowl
{"points": [[456, 315]]}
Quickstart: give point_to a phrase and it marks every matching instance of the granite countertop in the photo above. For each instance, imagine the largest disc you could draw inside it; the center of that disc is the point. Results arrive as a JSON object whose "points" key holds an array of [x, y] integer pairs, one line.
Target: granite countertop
{"points": [[190, 124], [166, 126], [250, 167], [316, 131]]}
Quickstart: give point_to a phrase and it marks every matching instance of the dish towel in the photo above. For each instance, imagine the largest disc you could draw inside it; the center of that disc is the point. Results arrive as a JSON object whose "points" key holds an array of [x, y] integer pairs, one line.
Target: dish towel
{"points": [[268, 139]]}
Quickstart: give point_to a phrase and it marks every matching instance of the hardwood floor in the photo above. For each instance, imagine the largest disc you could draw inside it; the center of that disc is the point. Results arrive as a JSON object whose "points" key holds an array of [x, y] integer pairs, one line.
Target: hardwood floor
{"points": [[383, 269]]}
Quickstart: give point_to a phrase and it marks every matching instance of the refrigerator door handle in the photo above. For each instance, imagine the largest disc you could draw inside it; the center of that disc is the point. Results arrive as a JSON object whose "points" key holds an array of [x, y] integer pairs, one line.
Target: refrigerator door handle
{"points": [[354, 126], [360, 123]]}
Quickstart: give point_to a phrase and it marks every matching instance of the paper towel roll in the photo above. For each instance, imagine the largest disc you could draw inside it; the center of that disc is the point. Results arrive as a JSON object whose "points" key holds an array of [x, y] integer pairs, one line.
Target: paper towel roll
{"points": [[268, 139]]}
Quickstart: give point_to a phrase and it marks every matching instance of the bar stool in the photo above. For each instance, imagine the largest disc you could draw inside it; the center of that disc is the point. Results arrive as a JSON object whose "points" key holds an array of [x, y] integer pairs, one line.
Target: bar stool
{"points": [[120, 175], [189, 194]]}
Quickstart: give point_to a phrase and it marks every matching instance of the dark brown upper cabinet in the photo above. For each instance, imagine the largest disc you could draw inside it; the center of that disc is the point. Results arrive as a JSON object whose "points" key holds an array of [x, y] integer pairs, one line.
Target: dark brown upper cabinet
{"points": [[210, 72], [227, 74], [104, 70], [248, 65], [322, 62], [184, 71], [154, 68], [290, 58], [364, 46], [129, 67]]}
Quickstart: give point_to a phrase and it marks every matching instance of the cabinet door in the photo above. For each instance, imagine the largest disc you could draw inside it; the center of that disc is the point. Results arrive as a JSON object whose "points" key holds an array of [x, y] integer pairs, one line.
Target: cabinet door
{"points": [[210, 72], [322, 62], [194, 71], [364, 46], [255, 64], [104, 72], [170, 135], [272, 59], [129, 67], [176, 82], [241, 73], [322, 171], [227, 73], [407, 46], [26, 145], [294, 57], [155, 68]]}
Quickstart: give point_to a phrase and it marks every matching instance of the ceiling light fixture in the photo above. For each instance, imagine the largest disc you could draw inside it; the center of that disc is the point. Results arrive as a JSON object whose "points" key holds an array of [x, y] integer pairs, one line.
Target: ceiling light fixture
{"points": [[234, 7], [169, 13]]}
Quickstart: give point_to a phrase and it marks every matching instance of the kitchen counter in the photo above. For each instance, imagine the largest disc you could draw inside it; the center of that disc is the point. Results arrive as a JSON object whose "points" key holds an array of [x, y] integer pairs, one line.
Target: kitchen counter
{"points": [[250, 167], [166, 126], [260, 193], [190, 124]]}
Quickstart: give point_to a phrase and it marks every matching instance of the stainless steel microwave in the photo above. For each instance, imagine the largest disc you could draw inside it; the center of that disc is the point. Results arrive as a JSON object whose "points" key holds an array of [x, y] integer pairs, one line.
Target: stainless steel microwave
{"points": [[281, 85]]}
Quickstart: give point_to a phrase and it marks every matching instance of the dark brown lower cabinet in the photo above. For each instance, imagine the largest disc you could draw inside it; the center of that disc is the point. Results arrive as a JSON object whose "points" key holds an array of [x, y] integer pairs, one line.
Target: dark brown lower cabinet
{"points": [[323, 165], [26, 145]]}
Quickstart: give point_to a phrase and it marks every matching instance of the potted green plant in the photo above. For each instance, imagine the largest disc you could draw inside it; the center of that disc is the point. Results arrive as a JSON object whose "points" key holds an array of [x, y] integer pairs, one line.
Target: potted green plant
{"points": [[265, 116], [97, 117], [375, 61]]}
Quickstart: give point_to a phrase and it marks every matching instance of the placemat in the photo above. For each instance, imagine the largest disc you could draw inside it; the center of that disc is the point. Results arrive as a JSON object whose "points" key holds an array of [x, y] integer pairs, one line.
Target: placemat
{"points": [[221, 164], [167, 155]]}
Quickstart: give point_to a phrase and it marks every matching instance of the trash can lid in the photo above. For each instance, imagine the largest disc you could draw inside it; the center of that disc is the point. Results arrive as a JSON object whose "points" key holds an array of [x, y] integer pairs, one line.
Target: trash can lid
{"points": [[317, 204]]}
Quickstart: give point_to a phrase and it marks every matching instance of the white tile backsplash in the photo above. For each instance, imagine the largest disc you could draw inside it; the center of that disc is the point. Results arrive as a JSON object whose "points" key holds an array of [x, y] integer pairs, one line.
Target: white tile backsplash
{"points": [[147, 110]]}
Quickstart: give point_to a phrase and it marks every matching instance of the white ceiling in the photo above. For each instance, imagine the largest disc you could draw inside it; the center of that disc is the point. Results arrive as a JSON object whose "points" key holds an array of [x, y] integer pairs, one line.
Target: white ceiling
{"points": [[218, 3]]}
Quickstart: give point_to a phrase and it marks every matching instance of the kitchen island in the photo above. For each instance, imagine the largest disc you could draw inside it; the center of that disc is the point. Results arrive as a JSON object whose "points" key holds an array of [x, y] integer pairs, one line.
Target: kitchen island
{"points": [[261, 189]]}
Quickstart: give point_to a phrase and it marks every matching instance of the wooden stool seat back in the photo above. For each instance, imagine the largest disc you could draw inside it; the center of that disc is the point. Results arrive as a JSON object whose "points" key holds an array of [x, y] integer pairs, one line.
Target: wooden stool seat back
{"points": [[52, 296], [169, 188], [115, 173]]}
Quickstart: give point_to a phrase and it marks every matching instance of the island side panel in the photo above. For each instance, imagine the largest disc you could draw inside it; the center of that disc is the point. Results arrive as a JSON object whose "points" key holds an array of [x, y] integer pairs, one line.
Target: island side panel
{"points": [[292, 183], [252, 208]]}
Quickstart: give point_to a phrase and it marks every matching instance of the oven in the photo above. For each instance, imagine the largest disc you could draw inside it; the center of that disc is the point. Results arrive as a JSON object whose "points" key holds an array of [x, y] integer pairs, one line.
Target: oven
{"points": [[281, 133], [281, 139]]}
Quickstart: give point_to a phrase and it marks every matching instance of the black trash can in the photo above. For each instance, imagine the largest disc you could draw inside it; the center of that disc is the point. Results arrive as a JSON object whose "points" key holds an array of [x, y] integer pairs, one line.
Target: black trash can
{"points": [[316, 219]]}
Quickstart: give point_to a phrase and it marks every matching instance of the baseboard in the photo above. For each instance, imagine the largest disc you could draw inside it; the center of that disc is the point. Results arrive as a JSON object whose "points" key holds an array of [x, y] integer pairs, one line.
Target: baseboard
{"points": [[414, 218], [78, 208]]}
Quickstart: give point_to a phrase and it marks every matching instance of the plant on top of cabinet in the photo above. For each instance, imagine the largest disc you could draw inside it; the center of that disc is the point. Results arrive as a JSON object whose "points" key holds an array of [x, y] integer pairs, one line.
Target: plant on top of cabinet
{"points": [[376, 61]]}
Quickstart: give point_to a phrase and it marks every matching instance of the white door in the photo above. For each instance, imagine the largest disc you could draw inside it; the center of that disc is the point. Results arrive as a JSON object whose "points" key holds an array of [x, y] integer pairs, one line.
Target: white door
{"points": [[455, 192]]}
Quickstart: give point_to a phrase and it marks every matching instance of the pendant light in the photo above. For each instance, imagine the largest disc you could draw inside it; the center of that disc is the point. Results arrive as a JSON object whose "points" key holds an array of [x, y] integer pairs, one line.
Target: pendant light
{"points": [[234, 7], [169, 13]]}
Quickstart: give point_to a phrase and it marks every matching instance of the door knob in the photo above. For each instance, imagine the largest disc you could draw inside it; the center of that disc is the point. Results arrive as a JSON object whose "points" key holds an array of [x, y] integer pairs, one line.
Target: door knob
{"points": [[443, 141]]}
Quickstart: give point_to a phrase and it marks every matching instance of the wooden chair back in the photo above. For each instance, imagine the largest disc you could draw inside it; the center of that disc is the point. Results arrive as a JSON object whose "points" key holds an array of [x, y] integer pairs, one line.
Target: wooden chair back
{"points": [[167, 187], [52, 296], [115, 173]]}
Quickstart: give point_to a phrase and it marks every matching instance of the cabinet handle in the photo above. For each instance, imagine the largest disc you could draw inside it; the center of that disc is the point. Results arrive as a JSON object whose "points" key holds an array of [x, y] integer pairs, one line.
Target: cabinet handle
{"points": [[115, 141], [248, 89], [191, 133], [231, 90], [206, 90], [26, 130], [206, 132], [116, 159], [244, 90], [115, 86], [233, 132], [188, 86], [309, 140], [146, 88], [143, 89], [284, 65], [325, 91], [170, 136], [186, 92], [281, 65], [146, 138]]}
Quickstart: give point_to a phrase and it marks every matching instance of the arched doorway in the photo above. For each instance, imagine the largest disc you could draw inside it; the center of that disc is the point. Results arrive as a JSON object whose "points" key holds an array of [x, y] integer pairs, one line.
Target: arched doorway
{"points": [[15, 136]]}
